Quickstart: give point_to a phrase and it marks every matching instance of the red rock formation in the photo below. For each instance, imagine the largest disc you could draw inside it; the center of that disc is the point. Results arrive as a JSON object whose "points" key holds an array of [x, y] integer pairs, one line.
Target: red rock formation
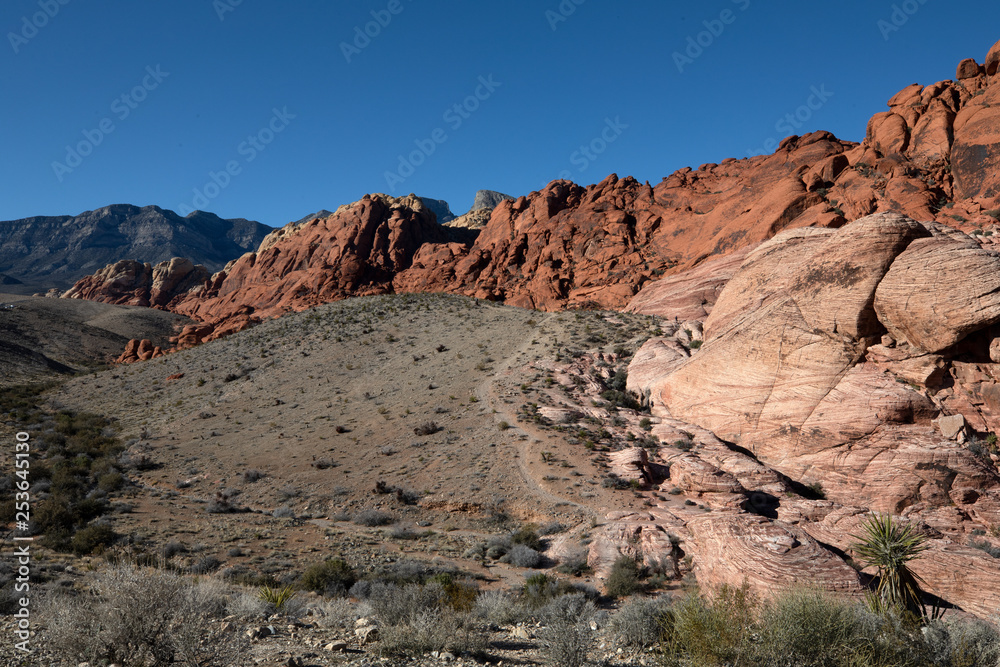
{"points": [[133, 283], [139, 350], [932, 156]]}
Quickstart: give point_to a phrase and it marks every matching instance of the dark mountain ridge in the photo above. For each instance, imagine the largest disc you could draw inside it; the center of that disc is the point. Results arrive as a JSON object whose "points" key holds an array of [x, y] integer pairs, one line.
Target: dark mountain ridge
{"points": [[56, 251]]}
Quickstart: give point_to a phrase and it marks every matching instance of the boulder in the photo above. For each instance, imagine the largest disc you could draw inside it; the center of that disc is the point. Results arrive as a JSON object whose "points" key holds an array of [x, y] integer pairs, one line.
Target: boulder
{"points": [[769, 555], [992, 60], [951, 426], [967, 69], [938, 291]]}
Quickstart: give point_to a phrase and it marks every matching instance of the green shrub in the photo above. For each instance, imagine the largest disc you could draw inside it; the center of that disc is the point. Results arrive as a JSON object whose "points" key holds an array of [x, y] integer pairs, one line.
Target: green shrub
{"points": [[92, 538], [716, 631], [333, 576], [276, 597], [528, 536], [809, 629], [624, 578], [460, 596], [539, 589]]}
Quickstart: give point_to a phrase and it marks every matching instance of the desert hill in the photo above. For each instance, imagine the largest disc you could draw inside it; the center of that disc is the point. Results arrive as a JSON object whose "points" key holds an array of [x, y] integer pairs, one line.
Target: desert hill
{"points": [[57, 251], [42, 338]]}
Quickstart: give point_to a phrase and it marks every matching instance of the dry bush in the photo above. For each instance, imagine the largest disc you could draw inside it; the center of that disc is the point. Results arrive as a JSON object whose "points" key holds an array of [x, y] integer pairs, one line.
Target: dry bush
{"points": [[143, 617], [641, 623], [373, 518], [524, 556], [500, 608], [566, 637]]}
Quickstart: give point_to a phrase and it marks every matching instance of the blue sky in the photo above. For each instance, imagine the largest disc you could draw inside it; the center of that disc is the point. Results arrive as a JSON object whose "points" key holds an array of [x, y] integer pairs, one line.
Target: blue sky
{"points": [[271, 110]]}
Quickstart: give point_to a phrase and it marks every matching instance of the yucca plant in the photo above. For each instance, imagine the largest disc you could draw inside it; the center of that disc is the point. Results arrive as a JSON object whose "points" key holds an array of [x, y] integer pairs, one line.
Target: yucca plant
{"points": [[276, 597], [888, 546]]}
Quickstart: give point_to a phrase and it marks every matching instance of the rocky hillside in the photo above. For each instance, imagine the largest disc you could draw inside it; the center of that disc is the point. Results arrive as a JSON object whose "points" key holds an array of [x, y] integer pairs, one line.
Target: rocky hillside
{"points": [[933, 157], [817, 362], [57, 251]]}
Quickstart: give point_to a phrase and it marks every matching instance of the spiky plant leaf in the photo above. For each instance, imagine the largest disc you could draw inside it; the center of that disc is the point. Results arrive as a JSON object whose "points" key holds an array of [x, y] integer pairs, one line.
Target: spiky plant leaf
{"points": [[888, 546]]}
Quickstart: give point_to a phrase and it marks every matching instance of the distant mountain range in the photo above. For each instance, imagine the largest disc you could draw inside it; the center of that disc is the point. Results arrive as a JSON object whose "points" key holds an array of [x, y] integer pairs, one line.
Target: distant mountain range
{"points": [[45, 252]]}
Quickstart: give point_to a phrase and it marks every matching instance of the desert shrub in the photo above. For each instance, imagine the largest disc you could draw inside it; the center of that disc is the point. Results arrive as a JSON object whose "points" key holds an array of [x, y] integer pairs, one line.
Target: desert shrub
{"points": [[614, 482], [498, 546], [523, 556], [575, 566], [566, 637], [74, 456], [500, 608], [373, 518], [111, 481], [172, 548], [283, 512], [551, 528], [93, 538], [401, 532], [528, 536], [459, 595], [624, 578], [716, 631], [205, 565], [810, 629], [427, 428], [393, 605], [983, 545], [540, 589], [247, 605], [142, 617], [433, 630], [337, 613], [276, 599], [406, 571], [640, 623], [222, 503], [252, 475], [333, 576], [962, 643]]}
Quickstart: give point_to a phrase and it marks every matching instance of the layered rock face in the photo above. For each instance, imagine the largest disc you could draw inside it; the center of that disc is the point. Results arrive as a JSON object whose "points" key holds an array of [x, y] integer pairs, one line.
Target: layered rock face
{"points": [[830, 357]]}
